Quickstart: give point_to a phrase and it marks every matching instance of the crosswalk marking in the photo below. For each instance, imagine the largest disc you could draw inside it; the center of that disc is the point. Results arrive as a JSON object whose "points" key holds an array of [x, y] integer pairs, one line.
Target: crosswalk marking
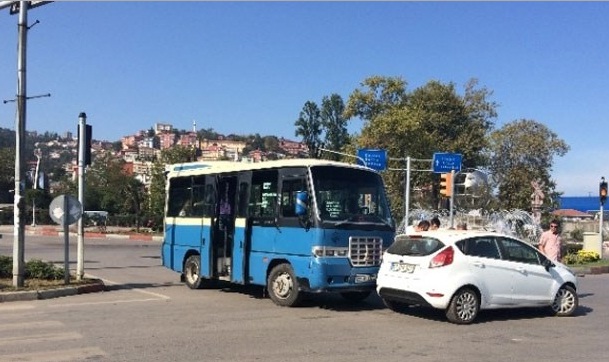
{"points": [[30, 325], [37, 338], [77, 354]]}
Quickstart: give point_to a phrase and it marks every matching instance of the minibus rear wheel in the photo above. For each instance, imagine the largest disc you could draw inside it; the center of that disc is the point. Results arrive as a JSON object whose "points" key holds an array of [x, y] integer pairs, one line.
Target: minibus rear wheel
{"points": [[192, 272]]}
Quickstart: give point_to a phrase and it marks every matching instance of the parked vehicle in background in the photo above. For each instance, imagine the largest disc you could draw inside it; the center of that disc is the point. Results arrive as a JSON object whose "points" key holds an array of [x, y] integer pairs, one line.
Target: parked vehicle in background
{"points": [[292, 226], [463, 272]]}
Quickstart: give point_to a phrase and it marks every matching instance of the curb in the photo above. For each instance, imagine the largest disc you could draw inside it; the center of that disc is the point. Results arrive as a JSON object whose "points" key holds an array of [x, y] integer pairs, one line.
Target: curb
{"points": [[97, 286]]}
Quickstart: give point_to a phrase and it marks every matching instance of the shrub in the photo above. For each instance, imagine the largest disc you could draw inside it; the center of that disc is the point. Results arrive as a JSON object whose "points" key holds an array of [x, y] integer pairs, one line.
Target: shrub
{"points": [[34, 269], [577, 234], [581, 257]]}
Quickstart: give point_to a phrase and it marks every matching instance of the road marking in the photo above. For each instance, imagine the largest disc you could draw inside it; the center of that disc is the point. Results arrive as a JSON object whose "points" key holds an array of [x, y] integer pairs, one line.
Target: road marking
{"points": [[30, 325], [15, 306], [110, 282], [35, 338], [157, 297], [77, 354]]}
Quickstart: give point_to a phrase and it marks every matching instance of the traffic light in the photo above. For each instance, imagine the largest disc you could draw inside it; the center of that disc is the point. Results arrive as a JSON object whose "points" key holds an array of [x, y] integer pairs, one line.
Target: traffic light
{"points": [[603, 191], [88, 138], [446, 184]]}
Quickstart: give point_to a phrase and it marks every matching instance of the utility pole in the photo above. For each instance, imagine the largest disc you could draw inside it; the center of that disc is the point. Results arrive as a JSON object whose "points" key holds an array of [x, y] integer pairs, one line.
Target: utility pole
{"points": [[18, 211], [21, 99]]}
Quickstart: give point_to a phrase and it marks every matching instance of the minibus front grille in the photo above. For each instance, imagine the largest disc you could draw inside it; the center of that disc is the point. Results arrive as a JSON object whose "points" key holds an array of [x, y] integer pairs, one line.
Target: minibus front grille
{"points": [[365, 251]]}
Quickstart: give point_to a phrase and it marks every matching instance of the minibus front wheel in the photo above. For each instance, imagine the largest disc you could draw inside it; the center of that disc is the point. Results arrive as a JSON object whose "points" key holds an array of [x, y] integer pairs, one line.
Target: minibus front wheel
{"points": [[283, 286]]}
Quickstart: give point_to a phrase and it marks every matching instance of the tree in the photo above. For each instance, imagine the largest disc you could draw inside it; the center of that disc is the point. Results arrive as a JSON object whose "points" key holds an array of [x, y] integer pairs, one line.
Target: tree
{"points": [[308, 126], [7, 173], [432, 118], [334, 123], [523, 151], [177, 154], [379, 95]]}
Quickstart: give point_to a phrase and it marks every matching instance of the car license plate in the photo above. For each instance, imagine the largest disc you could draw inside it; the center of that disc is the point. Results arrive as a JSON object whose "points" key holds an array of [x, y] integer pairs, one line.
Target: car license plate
{"points": [[403, 267]]}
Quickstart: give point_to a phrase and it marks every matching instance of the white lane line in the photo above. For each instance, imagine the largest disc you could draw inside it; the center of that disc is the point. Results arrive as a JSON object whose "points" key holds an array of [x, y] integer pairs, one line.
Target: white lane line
{"points": [[14, 306], [110, 282], [77, 354], [30, 325], [36, 338]]}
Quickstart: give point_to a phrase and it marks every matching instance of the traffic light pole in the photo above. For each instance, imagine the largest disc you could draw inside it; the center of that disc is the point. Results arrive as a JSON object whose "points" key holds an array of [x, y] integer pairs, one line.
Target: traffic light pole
{"points": [[82, 141], [452, 198]]}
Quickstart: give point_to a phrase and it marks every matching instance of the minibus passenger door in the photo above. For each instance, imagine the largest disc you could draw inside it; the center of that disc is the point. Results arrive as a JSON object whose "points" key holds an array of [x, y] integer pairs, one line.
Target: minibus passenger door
{"points": [[242, 231]]}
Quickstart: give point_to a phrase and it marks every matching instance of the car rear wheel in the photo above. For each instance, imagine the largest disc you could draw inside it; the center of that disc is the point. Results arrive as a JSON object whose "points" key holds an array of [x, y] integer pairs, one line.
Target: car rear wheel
{"points": [[463, 307], [565, 301]]}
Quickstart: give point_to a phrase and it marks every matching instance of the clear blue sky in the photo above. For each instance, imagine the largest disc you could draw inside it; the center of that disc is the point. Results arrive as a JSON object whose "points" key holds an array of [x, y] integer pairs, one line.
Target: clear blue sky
{"points": [[249, 67]]}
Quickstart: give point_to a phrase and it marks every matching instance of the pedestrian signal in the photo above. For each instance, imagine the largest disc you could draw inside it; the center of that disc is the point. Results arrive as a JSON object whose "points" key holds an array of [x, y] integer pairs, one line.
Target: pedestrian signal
{"points": [[446, 184]]}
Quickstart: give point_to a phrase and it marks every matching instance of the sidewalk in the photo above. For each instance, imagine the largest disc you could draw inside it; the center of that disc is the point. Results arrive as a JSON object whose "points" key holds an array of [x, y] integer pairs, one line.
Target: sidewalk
{"points": [[112, 232]]}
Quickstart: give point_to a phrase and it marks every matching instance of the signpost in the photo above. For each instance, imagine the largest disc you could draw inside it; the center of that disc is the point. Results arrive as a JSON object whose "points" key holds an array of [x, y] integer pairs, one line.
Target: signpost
{"points": [[373, 158], [449, 163], [65, 210], [443, 162]]}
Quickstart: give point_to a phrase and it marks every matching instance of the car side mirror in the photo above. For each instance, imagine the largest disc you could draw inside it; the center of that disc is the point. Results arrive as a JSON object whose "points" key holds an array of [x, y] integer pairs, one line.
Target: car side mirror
{"points": [[547, 263]]}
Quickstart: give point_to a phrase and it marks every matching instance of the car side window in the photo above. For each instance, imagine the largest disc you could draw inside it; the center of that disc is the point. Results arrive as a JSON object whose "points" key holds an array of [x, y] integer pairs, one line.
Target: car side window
{"points": [[484, 247], [514, 250]]}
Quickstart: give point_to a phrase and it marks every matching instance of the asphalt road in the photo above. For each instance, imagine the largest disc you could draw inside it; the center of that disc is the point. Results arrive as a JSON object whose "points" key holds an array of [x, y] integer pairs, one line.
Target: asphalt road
{"points": [[148, 315]]}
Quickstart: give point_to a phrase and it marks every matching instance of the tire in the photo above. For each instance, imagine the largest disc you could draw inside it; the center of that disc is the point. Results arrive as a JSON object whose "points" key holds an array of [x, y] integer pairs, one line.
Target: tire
{"points": [[565, 302], [355, 297], [464, 306], [192, 272], [398, 307], [282, 286]]}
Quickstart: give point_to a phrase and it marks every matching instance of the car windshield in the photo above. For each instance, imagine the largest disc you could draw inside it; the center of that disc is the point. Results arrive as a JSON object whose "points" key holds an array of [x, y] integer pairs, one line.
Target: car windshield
{"points": [[415, 245], [350, 196]]}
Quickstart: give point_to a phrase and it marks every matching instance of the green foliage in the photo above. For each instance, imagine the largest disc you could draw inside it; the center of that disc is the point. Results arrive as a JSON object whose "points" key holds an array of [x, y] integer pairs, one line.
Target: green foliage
{"points": [[577, 234], [522, 152], [334, 124], [6, 266], [430, 119], [34, 269], [308, 125]]}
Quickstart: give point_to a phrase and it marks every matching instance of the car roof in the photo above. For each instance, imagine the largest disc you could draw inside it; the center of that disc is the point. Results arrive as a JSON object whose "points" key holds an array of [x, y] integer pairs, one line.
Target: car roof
{"points": [[450, 236]]}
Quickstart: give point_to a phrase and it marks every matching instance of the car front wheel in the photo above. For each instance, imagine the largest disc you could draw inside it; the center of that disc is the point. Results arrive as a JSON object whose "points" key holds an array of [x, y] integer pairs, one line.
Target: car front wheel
{"points": [[565, 301], [463, 307]]}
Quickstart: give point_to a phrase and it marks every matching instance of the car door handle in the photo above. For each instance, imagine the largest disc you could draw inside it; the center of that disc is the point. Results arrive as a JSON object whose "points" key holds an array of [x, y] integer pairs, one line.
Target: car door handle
{"points": [[521, 270], [478, 264]]}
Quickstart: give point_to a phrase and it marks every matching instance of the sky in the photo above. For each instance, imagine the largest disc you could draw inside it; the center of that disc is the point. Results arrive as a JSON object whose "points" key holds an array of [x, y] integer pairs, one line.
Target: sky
{"points": [[249, 67]]}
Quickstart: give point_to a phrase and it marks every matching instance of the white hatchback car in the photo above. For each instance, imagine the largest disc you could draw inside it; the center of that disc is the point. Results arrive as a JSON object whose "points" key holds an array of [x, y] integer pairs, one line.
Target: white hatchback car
{"points": [[462, 272]]}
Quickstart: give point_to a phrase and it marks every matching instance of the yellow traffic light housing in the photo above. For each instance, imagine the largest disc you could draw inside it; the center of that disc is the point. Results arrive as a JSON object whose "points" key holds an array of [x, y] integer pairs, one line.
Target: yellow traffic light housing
{"points": [[446, 184]]}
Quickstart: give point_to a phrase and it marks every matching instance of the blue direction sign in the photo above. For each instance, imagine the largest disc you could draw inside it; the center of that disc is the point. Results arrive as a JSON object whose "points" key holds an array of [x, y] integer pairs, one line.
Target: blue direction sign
{"points": [[446, 162], [375, 159]]}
